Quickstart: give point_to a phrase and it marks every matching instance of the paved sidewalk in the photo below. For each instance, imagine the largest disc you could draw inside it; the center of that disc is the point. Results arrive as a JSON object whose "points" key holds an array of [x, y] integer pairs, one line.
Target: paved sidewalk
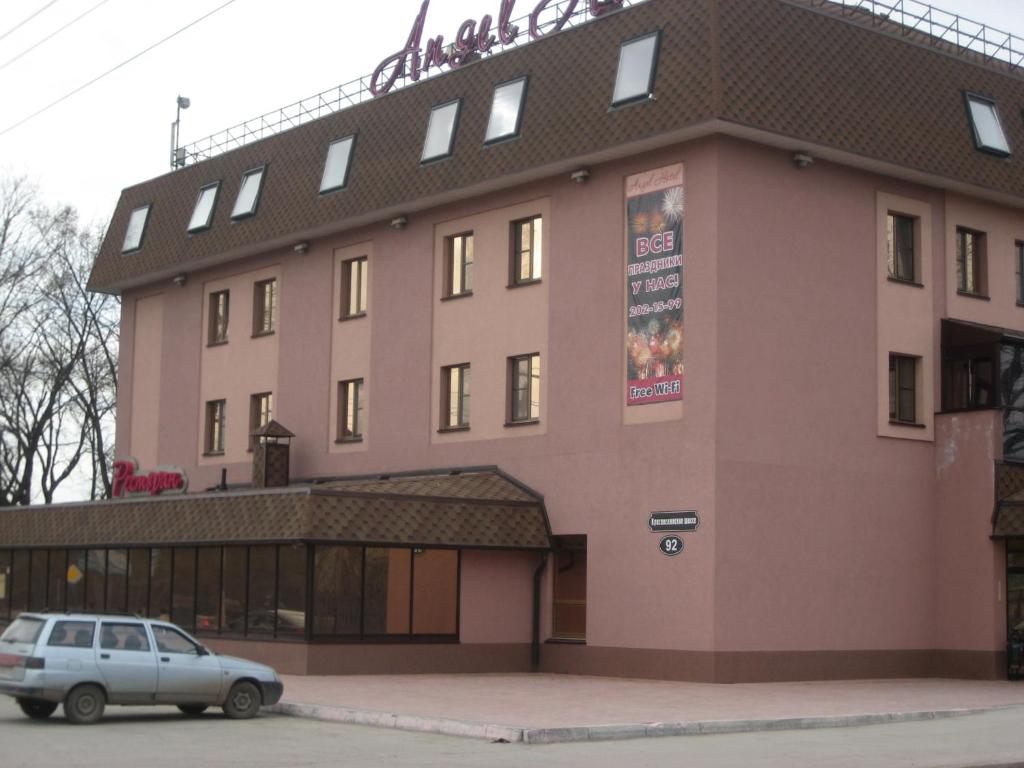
{"points": [[565, 708]]}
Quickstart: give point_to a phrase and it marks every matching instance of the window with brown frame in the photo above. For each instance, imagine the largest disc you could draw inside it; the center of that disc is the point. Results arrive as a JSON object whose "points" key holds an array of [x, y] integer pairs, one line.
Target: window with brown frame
{"points": [[215, 427], [524, 389], [900, 235], [219, 308], [353, 287], [261, 408], [350, 411], [459, 265], [903, 389], [455, 397], [527, 251], [970, 262], [1020, 272], [264, 307]]}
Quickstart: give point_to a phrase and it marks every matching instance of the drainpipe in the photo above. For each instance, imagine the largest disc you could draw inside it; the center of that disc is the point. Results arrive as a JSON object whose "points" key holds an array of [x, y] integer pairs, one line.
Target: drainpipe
{"points": [[537, 576]]}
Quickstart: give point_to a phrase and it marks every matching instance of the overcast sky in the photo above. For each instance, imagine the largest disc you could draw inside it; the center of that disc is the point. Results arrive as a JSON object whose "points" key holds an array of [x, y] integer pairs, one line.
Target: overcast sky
{"points": [[251, 57]]}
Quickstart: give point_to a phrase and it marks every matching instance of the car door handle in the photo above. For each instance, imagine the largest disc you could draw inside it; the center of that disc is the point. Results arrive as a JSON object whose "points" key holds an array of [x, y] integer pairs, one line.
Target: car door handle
{"points": [[104, 655], [165, 658]]}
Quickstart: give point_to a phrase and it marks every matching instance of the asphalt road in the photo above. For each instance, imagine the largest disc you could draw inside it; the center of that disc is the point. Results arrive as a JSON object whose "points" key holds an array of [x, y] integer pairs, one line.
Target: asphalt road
{"points": [[156, 737]]}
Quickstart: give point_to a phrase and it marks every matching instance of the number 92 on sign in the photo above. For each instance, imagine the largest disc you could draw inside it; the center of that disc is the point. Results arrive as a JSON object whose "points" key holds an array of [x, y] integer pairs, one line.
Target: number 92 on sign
{"points": [[670, 545]]}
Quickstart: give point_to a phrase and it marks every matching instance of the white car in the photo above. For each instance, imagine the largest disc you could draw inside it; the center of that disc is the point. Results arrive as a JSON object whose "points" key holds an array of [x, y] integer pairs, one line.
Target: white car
{"points": [[88, 660]]}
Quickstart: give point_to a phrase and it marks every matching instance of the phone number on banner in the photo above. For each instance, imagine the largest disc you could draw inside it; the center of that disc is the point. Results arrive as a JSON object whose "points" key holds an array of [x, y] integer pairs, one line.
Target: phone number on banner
{"points": [[642, 310]]}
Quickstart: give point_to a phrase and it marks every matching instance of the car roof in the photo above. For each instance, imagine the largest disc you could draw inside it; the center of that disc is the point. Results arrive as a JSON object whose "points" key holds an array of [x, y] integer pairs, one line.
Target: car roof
{"points": [[79, 615]]}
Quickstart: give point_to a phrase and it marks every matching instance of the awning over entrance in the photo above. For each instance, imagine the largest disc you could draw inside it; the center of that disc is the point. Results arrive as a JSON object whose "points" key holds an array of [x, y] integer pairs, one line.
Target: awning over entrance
{"points": [[1008, 519], [473, 509]]}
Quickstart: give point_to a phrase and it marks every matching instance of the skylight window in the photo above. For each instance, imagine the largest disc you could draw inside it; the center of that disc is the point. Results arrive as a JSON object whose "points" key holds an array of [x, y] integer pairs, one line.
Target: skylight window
{"points": [[339, 154], [248, 193], [506, 110], [638, 63], [202, 214], [136, 229], [988, 131], [444, 120]]}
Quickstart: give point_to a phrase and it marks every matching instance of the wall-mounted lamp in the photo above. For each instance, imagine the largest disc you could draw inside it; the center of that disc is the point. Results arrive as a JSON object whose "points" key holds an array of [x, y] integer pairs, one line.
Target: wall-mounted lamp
{"points": [[302, 248], [801, 160], [180, 280], [581, 176], [399, 222]]}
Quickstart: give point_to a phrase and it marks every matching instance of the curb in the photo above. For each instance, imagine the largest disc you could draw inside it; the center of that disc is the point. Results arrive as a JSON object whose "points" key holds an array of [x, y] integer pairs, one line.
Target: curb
{"points": [[520, 735]]}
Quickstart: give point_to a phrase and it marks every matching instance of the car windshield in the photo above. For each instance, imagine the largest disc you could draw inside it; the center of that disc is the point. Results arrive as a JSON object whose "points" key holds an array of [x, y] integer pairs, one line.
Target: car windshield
{"points": [[23, 630]]}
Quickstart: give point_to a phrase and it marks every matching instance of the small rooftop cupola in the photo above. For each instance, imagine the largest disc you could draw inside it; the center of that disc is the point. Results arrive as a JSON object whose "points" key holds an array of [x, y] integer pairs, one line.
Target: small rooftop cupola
{"points": [[270, 463]]}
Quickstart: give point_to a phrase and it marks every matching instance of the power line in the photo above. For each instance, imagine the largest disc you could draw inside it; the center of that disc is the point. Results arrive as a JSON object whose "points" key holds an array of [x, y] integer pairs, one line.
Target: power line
{"points": [[113, 69], [52, 34], [21, 24]]}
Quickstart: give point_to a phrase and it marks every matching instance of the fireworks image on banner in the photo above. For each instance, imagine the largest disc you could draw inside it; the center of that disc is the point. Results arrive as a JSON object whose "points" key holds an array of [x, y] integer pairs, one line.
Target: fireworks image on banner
{"points": [[654, 343]]}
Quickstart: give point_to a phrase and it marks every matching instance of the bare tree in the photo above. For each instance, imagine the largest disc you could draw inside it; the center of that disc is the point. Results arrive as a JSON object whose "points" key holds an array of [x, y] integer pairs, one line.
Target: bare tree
{"points": [[58, 347]]}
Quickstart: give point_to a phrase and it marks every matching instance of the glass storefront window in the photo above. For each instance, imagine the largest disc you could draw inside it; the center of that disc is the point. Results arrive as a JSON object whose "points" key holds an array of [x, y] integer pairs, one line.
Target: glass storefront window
{"points": [[21, 570], [39, 570], [117, 580], [75, 577], [5, 581], [232, 605], [160, 584], [262, 598], [56, 587], [337, 590], [291, 584], [96, 580], [183, 603], [387, 591], [208, 589], [138, 582]]}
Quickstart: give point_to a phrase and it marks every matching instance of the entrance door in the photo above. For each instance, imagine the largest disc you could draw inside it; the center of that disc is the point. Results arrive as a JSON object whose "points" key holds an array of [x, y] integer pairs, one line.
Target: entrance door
{"points": [[569, 604]]}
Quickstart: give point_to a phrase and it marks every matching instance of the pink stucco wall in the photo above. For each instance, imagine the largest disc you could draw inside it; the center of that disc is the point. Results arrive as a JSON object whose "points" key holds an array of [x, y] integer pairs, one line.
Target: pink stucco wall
{"points": [[816, 532]]}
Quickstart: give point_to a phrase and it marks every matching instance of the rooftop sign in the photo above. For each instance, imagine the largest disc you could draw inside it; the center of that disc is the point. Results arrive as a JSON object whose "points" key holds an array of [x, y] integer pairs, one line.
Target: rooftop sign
{"points": [[473, 37], [162, 480]]}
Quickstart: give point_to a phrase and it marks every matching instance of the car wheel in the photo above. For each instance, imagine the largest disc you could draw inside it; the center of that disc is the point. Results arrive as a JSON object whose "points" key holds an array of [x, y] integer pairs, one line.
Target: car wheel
{"points": [[243, 701], [84, 705], [36, 709], [192, 709]]}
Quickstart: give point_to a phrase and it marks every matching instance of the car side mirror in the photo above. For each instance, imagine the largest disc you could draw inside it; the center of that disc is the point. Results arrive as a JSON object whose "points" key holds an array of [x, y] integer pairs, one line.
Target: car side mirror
{"points": [[201, 650]]}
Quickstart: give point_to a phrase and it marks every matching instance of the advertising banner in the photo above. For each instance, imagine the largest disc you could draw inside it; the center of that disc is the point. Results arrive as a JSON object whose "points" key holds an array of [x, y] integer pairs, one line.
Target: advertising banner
{"points": [[654, 286]]}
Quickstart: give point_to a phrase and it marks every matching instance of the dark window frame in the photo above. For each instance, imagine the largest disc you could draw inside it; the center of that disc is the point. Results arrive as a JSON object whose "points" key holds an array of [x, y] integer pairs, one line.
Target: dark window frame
{"points": [[148, 208], [215, 186], [517, 252], [261, 325], [213, 439], [652, 75], [343, 413], [464, 266], [255, 413], [348, 164], [451, 138], [979, 272], [214, 337], [517, 131], [975, 133], [1019, 253], [360, 266], [462, 421], [513, 417], [262, 171], [898, 385], [894, 264]]}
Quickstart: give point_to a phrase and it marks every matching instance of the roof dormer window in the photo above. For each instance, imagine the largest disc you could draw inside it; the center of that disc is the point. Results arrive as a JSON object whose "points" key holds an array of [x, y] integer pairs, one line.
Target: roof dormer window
{"points": [[638, 64], [444, 120], [339, 156], [202, 214], [249, 193], [985, 125], [136, 230], [506, 111]]}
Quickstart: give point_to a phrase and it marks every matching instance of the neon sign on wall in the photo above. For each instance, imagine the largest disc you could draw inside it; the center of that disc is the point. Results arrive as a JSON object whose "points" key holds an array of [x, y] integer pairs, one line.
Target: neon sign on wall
{"points": [[473, 37], [127, 481]]}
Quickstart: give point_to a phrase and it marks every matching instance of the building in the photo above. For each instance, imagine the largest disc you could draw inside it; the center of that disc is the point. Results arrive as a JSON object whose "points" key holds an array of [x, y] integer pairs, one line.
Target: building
{"points": [[446, 326]]}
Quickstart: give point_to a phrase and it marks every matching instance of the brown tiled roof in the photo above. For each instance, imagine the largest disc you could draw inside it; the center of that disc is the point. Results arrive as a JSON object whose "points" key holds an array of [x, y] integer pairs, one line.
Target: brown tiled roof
{"points": [[769, 65], [487, 510]]}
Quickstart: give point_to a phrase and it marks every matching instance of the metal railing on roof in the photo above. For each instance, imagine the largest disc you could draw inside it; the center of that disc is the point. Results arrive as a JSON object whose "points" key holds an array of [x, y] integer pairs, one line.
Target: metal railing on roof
{"points": [[932, 26], [356, 92]]}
